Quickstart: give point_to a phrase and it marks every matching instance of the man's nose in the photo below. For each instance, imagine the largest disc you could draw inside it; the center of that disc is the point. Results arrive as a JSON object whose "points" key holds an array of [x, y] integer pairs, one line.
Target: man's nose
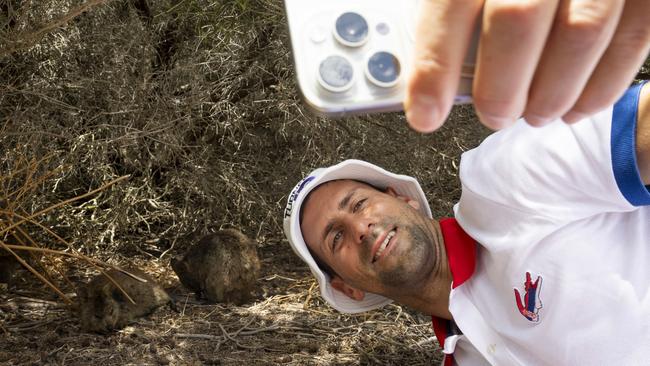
{"points": [[363, 230]]}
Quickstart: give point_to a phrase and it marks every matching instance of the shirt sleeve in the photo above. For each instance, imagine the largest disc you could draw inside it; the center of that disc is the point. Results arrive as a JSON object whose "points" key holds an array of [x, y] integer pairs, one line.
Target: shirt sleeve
{"points": [[623, 147], [559, 172]]}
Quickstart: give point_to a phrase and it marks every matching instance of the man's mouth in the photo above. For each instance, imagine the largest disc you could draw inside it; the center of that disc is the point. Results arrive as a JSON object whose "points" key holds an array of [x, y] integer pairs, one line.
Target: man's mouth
{"points": [[384, 245]]}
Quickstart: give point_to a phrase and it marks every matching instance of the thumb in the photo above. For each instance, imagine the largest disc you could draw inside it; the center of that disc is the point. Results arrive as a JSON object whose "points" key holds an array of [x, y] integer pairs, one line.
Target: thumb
{"points": [[442, 38]]}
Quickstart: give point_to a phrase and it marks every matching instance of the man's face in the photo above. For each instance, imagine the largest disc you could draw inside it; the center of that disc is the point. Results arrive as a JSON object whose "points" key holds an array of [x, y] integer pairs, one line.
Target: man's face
{"points": [[375, 241]]}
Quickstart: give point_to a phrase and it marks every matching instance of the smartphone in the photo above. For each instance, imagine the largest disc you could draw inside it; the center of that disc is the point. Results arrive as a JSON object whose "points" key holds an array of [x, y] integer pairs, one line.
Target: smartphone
{"points": [[354, 57]]}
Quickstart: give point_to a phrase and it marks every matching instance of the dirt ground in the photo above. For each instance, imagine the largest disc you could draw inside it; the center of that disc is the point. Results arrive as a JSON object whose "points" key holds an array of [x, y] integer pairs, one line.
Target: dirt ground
{"points": [[192, 104], [287, 323]]}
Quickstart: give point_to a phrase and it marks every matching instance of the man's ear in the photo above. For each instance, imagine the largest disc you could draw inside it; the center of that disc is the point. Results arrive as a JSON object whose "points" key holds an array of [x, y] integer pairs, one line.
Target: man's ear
{"points": [[413, 203], [351, 292]]}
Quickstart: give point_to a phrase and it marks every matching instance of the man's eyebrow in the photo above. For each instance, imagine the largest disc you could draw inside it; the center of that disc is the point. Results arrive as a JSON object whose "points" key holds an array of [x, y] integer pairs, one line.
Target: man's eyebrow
{"points": [[342, 205], [346, 200]]}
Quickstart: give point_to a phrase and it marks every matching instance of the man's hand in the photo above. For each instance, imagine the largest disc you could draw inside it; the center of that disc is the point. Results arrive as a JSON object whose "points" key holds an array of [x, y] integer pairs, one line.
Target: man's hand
{"points": [[540, 59]]}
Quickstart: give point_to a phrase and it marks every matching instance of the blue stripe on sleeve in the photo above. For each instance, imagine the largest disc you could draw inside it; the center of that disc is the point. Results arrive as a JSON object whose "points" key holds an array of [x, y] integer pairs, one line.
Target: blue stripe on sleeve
{"points": [[623, 147]]}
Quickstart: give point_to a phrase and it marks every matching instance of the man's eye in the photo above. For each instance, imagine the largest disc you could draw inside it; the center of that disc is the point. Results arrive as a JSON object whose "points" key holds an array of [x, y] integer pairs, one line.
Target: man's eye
{"points": [[337, 238], [358, 205]]}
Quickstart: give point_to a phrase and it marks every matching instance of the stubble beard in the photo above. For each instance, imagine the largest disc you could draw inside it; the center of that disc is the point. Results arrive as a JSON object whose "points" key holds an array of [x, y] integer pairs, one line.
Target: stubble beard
{"points": [[416, 262]]}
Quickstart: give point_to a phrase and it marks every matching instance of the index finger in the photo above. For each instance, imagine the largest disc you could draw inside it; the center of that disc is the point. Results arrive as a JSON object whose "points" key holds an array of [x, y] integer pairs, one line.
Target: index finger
{"points": [[443, 36]]}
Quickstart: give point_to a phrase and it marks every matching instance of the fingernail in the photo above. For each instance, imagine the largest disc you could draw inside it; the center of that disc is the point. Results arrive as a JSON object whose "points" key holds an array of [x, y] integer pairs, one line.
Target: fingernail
{"points": [[422, 115], [573, 117], [537, 121], [495, 122]]}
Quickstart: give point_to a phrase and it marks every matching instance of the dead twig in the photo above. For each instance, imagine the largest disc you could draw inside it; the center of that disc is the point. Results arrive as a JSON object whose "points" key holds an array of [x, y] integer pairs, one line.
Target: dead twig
{"points": [[96, 263], [30, 326], [29, 218], [309, 293], [35, 273], [199, 336], [231, 338], [63, 203], [28, 39]]}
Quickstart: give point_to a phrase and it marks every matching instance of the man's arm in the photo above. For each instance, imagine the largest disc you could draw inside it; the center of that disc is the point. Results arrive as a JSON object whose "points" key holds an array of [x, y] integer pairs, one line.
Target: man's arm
{"points": [[643, 135], [602, 165]]}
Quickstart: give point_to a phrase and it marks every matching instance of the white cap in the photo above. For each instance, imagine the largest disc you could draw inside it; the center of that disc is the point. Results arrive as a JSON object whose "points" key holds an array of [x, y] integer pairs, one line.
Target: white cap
{"points": [[348, 169]]}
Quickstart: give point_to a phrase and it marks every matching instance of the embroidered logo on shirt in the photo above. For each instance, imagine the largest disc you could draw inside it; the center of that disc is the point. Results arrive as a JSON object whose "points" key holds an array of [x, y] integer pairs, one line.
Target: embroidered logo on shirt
{"points": [[531, 303]]}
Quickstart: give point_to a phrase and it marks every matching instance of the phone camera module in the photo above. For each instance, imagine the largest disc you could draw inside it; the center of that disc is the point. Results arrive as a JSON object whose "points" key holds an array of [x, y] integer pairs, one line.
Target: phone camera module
{"points": [[351, 29], [335, 74], [383, 69], [382, 28]]}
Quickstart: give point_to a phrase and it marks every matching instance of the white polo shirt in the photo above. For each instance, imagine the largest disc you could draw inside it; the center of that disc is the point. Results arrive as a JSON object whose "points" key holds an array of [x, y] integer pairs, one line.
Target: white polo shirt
{"points": [[561, 219]]}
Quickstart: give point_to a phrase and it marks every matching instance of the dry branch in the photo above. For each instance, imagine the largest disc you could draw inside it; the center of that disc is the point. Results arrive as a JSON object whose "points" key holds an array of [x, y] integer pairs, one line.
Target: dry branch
{"points": [[27, 39], [96, 263], [35, 272], [29, 219], [63, 203]]}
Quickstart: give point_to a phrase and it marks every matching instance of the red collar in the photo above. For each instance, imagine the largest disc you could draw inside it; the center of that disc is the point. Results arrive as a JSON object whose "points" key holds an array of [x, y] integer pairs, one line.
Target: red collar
{"points": [[461, 255], [461, 251]]}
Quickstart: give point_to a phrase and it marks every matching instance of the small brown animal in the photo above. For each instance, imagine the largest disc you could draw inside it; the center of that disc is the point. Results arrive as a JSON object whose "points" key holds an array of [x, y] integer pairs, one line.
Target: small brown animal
{"points": [[222, 267], [103, 307]]}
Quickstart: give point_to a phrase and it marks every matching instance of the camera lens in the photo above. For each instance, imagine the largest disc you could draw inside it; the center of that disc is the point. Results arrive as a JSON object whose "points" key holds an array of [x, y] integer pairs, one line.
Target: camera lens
{"points": [[383, 69], [351, 29], [335, 74]]}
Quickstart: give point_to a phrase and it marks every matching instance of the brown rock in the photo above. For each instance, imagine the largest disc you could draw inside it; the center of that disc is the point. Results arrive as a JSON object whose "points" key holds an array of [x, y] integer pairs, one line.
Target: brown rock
{"points": [[103, 307], [222, 267]]}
